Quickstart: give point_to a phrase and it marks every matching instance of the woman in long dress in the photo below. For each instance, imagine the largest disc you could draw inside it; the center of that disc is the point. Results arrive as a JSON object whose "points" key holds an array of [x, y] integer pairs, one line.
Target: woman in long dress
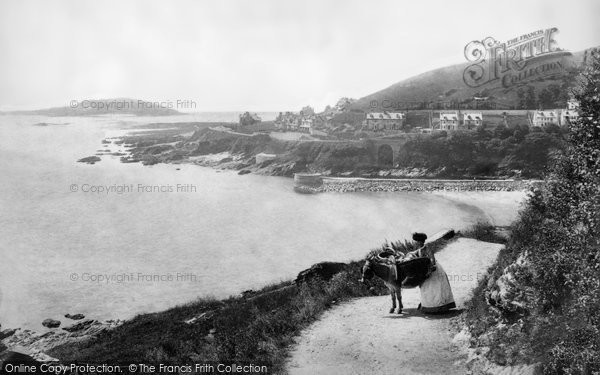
{"points": [[436, 294]]}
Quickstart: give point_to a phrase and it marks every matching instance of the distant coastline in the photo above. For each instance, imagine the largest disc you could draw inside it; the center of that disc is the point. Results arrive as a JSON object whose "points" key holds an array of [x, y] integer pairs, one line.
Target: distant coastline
{"points": [[97, 107]]}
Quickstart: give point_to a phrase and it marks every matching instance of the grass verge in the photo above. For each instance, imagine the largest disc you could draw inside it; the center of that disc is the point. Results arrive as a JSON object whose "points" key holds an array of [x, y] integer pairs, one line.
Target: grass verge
{"points": [[258, 328]]}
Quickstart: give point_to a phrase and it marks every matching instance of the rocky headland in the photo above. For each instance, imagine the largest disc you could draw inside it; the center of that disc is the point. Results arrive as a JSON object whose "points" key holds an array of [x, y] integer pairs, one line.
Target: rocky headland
{"points": [[346, 165]]}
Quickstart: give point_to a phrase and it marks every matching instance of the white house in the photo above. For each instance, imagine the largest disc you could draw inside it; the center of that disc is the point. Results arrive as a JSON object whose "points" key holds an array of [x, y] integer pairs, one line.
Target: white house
{"points": [[449, 120], [568, 116], [472, 119], [384, 120], [306, 124], [288, 121], [545, 118]]}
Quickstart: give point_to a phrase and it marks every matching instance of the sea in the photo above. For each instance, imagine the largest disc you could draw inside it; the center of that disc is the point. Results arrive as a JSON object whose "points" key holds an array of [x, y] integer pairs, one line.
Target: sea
{"points": [[113, 240]]}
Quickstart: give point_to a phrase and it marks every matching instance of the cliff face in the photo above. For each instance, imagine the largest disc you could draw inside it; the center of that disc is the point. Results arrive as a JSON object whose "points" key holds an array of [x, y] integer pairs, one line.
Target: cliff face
{"points": [[240, 151]]}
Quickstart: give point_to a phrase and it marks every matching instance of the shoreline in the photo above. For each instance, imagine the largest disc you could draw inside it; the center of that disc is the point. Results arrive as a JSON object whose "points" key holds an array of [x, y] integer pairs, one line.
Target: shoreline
{"points": [[344, 185], [226, 161], [341, 184], [265, 155], [209, 317]]}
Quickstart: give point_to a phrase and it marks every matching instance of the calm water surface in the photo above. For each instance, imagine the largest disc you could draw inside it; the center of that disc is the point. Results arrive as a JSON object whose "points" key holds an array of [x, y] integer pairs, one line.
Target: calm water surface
{"points": [[114, 255]]}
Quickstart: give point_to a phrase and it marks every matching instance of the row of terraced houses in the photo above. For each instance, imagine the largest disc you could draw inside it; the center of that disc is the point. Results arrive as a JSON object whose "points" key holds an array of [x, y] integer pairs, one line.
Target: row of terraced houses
{"points": [[468, 120], [384, 121], [559, 117]]}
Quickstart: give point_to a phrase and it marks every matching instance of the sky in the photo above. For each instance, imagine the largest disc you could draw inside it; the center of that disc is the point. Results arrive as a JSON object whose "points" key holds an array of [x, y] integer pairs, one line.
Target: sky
{"points": [[258, 55]]}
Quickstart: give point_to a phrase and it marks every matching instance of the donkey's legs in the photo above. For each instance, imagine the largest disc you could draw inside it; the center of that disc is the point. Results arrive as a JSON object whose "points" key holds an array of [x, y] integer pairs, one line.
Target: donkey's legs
{"points": [[393, 294], [399, 296]]}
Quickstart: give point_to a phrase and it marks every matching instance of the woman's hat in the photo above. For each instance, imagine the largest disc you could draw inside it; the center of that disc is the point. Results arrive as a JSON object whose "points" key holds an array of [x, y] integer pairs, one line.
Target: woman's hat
{"points": [[419, 237]]}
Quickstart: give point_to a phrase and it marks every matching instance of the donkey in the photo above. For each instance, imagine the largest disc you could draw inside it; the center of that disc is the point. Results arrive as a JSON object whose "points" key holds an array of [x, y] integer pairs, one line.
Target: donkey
{"points": [[397, 276]]}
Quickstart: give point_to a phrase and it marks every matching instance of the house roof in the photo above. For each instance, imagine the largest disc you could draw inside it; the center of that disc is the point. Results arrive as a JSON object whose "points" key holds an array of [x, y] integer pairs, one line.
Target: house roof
{"points": [[570, 112], [472, 116], [545, 114], [385, 116], [449, 116]]}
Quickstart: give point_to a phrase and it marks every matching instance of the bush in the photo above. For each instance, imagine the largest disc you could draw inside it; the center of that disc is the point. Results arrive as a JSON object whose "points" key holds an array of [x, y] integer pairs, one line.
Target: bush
{"points": [[558, 236], [483, 231]]}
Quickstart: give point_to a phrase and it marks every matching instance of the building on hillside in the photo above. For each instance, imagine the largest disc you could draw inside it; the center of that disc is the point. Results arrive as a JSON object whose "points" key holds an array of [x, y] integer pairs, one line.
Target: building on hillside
{"points": [[572, 104], [568, 116], [379, 121], [287, 121], [449, 120], [545, 118], [306, 124], [571, 114], [248, 118], [472, 120]]}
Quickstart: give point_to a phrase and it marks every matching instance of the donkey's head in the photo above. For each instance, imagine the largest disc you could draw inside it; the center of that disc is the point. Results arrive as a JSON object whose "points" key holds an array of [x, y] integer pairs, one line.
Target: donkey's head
{"points": [[367, 271]]}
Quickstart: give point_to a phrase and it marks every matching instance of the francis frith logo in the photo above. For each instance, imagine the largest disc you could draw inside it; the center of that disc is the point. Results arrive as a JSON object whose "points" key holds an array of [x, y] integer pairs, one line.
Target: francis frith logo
{"points": [[519, 59]]}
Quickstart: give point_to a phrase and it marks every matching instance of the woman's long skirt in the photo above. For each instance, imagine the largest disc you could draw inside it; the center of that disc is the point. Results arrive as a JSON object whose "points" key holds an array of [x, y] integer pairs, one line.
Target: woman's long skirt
{"points": [[436, 294]]}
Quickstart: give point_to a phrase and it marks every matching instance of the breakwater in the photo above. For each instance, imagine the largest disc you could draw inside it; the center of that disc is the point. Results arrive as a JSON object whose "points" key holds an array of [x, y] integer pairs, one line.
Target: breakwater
{"points": [[342, 185]]}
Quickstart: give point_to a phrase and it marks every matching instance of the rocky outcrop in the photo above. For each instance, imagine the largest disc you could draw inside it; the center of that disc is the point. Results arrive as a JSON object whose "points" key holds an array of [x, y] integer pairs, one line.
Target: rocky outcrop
{"points": [[84, 324], [36, 344], [51, 323], [75, 316], [506, 293], [7, 333], [323, 270], [89, 160], [497, 345], [478, 363]]}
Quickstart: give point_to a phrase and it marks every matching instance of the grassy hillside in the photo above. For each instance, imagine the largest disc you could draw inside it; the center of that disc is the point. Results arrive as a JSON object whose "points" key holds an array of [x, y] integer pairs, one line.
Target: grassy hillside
{"points": [[445, 87]]}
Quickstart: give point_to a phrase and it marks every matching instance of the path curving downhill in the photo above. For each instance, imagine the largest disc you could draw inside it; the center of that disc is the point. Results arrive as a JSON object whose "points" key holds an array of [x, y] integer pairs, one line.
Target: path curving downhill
{"points": [[360, 337]]}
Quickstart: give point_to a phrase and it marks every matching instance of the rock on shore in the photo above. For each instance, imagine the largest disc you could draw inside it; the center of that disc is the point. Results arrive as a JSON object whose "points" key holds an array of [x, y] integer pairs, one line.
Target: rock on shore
{"points": [[36, 343], [51, 323], [89, 160], [75, 316]]}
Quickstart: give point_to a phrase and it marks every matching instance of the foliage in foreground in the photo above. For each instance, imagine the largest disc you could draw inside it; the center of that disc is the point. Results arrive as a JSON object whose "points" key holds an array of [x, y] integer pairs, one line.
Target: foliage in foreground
{"points": [[554, 258]]}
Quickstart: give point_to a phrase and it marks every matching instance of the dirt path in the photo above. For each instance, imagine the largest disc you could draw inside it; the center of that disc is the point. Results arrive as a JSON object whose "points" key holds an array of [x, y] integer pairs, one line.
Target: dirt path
{"points": [[360, 337]]}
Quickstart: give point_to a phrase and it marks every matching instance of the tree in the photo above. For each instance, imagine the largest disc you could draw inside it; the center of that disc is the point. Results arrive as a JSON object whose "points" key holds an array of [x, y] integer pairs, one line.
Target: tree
{"points": [[520, 132], [545, 99], [307, 111], [530, 101], [521, 96], [571, 233], [502, 132]]}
